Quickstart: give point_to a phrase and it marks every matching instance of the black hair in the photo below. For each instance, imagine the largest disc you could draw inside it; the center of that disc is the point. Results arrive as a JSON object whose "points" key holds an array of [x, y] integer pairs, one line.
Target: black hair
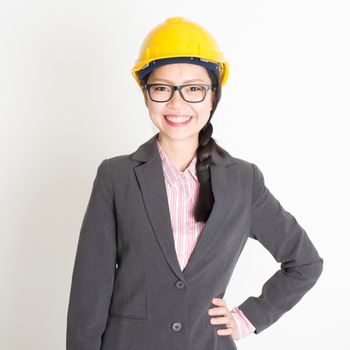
{"points": [[206, 146]]}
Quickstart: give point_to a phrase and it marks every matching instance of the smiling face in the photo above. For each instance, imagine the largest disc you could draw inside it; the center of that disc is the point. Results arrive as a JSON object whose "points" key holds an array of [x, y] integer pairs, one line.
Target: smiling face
{"points": [[177, 109]]}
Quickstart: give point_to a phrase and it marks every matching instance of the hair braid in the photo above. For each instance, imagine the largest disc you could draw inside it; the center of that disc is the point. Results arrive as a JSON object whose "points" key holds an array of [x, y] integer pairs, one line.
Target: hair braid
{"points": [[206, 146]]}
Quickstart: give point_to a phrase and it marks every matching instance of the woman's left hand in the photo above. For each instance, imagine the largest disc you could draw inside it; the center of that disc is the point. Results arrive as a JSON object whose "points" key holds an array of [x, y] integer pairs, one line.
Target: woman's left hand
{"points": [[226, 319]]}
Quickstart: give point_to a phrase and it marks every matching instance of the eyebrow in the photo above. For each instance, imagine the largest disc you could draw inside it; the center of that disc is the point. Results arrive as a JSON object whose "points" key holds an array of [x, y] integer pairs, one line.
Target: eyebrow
{"points": [[187, 81]]}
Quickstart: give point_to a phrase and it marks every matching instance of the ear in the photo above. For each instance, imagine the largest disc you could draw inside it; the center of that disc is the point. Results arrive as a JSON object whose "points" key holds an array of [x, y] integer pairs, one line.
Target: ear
{"points": [[213, 98]]}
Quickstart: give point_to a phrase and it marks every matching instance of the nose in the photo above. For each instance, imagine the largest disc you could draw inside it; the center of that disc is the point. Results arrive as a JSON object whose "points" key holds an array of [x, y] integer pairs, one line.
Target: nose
{"points": [[176, 99]]}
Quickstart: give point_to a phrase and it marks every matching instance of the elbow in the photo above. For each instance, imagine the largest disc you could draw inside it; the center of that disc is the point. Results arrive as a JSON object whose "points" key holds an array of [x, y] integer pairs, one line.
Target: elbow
{"points": [[318, 268], [310, 271], [314, 270]]}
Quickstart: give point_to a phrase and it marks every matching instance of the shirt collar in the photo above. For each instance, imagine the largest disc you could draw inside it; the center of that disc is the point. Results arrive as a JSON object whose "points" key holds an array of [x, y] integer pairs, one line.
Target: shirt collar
{"points": [[171, 173]]}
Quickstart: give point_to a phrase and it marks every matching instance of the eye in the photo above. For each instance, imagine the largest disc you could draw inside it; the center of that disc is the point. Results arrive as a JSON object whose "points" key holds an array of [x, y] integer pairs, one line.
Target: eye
{"points": [[160, 88]]}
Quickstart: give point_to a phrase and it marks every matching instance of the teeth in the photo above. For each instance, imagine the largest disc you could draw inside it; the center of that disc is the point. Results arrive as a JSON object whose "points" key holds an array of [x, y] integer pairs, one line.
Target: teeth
{"points": [[177, 119]]}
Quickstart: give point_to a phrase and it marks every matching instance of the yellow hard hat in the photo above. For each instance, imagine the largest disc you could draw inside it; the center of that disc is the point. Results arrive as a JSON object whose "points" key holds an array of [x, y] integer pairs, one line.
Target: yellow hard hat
{"points": [[179, 37]]}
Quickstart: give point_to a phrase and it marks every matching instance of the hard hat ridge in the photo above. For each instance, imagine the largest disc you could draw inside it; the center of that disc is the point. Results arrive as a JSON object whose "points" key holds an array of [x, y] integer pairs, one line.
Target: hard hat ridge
{"points": [[149, 67], [180, 38]]}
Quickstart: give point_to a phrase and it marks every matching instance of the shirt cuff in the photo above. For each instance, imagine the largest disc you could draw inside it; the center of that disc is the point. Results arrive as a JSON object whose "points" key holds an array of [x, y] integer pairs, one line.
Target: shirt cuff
{"points": [[245, 328]]}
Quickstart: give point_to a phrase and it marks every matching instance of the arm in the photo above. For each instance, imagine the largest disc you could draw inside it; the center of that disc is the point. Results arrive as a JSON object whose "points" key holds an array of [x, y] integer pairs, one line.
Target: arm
{"points": [[279, 232], [94, 267]]}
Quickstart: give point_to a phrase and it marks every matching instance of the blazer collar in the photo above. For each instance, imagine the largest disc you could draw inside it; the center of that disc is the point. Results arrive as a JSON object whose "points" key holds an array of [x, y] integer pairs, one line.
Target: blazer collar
{"points": [[149, 151], [151, 181]]}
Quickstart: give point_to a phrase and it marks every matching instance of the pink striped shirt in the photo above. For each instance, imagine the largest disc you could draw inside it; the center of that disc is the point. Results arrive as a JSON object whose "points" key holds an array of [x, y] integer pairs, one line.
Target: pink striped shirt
{"points": [[182, 190]]}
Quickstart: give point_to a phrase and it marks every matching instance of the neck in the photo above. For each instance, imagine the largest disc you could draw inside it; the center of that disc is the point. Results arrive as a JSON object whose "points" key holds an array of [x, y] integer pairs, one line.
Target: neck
{"points": [[180, 152]]}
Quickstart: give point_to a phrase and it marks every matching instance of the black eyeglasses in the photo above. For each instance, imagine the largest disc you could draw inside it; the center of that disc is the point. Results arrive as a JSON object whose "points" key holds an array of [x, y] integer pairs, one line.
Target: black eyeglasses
{"points": [[192, 93]]}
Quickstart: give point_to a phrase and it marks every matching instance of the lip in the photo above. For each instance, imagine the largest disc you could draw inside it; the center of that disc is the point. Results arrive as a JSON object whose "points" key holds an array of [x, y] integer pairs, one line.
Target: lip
{"points": [[177, 116]]}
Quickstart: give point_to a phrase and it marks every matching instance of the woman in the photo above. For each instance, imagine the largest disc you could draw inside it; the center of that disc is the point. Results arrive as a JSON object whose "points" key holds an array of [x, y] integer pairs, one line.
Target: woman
{"points": [[166, 224]]}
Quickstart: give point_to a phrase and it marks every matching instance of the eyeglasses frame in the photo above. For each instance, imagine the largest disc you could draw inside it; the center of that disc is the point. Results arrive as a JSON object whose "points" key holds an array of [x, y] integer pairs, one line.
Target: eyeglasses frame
{"points": [[179, 87]]}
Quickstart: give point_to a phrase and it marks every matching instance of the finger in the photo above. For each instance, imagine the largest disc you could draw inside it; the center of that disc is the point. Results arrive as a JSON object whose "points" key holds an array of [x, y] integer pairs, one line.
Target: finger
{"points": [[227, 321], [221, 320], [218, 301], [225, 331], [218, 311]]}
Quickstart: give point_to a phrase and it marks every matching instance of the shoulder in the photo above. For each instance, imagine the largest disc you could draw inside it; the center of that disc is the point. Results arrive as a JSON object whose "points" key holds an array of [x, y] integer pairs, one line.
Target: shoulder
{"points": [[229, 159], [245, 169], [118, 166]]}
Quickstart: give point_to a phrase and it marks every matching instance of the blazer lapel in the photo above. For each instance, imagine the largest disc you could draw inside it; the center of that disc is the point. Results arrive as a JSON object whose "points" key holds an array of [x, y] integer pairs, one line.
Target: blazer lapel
{"points": [[152, 184], [211, 229]]}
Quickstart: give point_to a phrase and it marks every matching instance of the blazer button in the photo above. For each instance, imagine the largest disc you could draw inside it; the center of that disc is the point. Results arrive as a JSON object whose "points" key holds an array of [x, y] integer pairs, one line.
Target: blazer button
{"points": [[176, 326], [180, 285]]}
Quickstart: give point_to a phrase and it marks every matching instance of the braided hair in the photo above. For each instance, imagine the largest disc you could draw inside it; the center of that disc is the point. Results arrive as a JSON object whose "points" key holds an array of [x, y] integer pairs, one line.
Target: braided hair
{"points": [[206, 146]]}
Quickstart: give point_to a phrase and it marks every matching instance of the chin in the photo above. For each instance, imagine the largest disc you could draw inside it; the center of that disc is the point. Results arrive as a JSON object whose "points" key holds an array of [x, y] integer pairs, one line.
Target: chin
{"points": [[180, 135]]}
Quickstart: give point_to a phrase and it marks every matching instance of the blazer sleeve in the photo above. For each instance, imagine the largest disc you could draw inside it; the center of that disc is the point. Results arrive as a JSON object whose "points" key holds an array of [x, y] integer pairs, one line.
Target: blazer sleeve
{"points": [[280, 233], [94, 267]]}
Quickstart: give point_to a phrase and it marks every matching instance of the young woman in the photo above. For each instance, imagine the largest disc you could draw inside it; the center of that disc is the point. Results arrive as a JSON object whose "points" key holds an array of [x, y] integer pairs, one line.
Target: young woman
{"points": [[166, 224]]}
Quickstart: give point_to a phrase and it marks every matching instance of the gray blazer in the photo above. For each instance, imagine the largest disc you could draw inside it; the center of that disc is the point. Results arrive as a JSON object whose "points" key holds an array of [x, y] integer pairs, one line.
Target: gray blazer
{"points": [[128, 291]]}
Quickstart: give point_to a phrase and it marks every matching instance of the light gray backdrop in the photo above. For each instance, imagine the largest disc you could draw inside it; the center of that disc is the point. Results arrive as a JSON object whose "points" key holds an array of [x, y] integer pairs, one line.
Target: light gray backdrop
{"points": [[68, 101]]}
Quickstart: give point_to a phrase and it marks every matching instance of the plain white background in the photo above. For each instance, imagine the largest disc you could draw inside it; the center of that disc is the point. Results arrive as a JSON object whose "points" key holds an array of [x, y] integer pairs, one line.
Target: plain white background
{"points": [[68, 101]]}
